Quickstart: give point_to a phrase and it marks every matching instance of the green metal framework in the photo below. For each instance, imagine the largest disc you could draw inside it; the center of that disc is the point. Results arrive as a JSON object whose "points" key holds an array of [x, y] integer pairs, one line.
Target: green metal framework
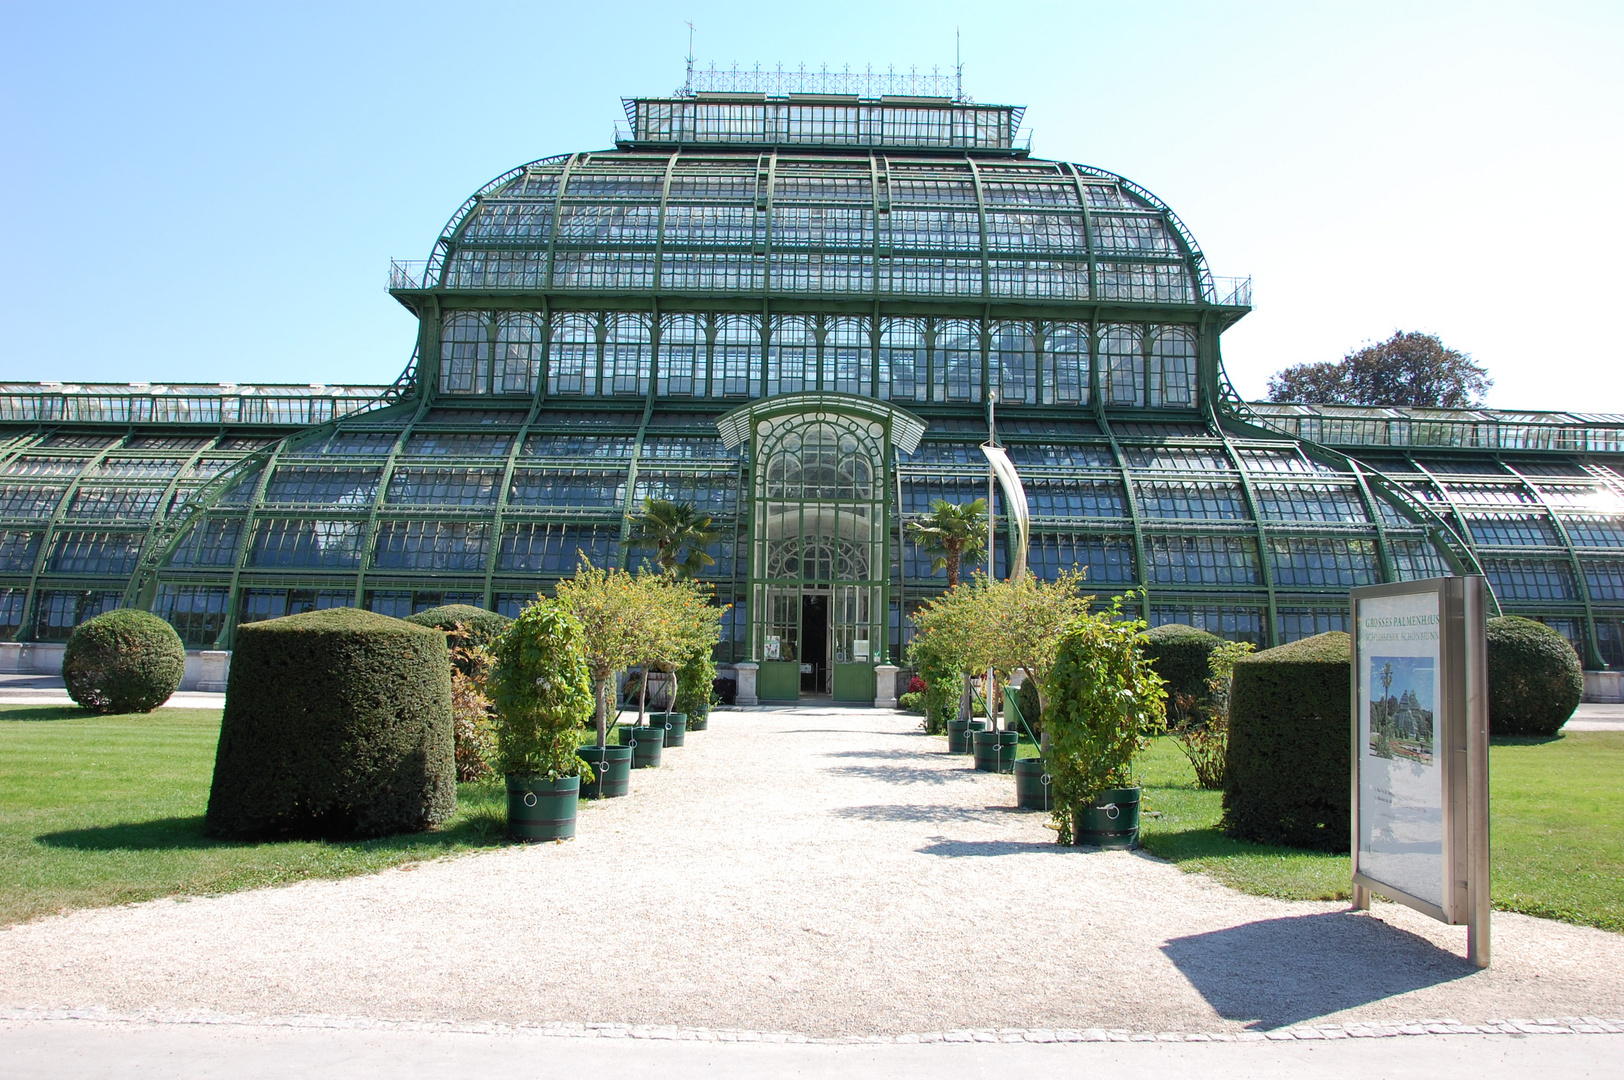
{"points": [[819, 264]]}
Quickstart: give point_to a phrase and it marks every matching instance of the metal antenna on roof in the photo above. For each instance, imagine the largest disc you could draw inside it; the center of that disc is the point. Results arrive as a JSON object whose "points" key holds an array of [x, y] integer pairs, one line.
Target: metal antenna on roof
{"points": [[688, 87], [958, 67]]}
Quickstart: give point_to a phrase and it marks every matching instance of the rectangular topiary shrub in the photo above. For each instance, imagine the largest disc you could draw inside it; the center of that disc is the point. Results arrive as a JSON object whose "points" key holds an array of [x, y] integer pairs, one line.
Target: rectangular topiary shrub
{"points": [[337, 724], [1289, 737]]}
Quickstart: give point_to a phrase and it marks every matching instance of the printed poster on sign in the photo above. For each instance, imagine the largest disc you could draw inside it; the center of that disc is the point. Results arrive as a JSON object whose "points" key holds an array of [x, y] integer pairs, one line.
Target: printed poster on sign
{"points": [[1401, 793]]}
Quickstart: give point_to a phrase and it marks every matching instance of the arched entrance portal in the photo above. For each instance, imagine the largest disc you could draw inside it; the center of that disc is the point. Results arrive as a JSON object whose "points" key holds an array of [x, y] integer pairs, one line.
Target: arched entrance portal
{"points": [[820, 535]]}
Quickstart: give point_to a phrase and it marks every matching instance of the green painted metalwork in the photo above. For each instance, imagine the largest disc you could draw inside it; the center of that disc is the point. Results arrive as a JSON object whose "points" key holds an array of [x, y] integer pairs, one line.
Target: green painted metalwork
{"points": [[885, 283]]}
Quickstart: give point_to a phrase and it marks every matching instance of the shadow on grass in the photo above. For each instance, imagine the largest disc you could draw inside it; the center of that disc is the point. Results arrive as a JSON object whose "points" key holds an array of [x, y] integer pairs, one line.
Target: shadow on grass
{"points": [[485, 826], [37, 713], [1278, 972], [1524, 740]]}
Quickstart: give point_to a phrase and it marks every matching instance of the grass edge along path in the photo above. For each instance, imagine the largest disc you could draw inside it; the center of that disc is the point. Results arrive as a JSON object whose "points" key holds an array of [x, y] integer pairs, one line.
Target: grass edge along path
{"points": [[100, 810], [1556, 831]]}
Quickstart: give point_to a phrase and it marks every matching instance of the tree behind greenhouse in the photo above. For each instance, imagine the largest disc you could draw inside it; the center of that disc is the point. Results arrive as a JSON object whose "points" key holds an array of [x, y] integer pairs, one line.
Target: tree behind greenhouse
{"points": [[1408, 368]]}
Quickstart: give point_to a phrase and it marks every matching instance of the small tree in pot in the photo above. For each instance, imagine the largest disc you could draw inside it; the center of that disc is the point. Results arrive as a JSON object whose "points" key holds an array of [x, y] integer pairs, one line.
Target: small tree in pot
{"points": [[1102, 703], [542, 689]]}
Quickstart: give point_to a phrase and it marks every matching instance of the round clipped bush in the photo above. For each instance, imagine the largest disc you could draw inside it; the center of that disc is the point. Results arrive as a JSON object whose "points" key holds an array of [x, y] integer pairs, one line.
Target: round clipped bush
{"points": [[337, 724], [123, 661], [1286, 772], [483, 627], [1179, 653], [1535, 681]]}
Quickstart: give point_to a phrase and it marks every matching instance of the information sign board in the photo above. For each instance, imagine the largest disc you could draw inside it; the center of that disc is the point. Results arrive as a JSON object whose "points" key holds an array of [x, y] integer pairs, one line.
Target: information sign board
{"points": [[1420, 750]]}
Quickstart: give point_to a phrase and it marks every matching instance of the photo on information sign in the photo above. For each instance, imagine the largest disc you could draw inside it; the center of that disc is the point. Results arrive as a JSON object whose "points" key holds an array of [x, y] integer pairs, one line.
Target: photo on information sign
{"points": [[1401, 715]]}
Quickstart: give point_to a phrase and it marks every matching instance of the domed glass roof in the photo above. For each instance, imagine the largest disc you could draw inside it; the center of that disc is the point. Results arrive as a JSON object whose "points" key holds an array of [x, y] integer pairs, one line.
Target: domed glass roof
{"points": [[819, 222]]}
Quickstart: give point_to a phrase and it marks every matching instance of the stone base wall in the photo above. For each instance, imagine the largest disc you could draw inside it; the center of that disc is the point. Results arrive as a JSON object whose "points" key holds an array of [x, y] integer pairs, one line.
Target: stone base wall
{"points": [[206, 669]]}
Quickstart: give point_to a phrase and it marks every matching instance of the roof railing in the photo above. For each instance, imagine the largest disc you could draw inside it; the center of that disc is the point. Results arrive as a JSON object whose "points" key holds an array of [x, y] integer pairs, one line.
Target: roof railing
{"points": [[408, 274], [1232, 291]]}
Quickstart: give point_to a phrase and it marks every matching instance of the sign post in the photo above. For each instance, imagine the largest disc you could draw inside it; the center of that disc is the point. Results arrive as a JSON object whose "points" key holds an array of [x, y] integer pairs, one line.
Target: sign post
{"points": [[1421, 751]]}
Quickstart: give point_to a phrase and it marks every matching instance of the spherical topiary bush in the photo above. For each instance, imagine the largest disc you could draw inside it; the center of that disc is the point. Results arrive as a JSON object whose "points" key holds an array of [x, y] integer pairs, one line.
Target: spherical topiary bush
{"points": [[483, 627], [337, 724], [1179, 653], [1535, 681], [123, 661]]}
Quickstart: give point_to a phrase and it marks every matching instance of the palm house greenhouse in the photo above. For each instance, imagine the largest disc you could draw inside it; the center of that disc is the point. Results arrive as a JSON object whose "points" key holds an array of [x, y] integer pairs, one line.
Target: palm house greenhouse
{"points": [[798, 309]]}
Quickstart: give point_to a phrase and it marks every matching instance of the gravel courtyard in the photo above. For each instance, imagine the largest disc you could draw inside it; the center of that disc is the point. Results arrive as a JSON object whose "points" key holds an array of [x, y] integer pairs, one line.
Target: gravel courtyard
{"points": [[819, 871]]}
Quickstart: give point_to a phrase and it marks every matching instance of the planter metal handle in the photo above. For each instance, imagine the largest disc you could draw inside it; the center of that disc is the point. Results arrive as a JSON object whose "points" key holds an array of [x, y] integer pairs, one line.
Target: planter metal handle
{"points": [[530, 798]]}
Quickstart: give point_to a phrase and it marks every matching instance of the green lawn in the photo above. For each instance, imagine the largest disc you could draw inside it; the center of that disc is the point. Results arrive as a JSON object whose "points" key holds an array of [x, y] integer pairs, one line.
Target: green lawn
{"points": [[1556, 831], [101, 810]]}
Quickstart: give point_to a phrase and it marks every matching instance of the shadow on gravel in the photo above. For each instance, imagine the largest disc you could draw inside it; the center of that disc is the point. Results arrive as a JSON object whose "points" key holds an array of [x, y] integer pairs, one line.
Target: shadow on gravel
{"points": [[899, 774], [1278, 972], [921, 812], [956, 849], [887, 755]]}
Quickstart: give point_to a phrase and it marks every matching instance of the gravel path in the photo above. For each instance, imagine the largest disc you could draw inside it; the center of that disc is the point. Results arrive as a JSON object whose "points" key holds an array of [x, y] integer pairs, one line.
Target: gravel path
{"points": [[819, 871]]}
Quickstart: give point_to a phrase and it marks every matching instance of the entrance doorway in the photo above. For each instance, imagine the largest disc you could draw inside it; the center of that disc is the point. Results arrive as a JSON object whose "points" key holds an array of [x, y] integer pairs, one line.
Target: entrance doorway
{"points": [[814, 644]]}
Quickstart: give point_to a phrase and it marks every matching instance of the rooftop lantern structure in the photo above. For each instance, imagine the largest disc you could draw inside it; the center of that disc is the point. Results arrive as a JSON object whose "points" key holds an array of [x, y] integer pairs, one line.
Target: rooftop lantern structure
{"points": [[789, 299]]}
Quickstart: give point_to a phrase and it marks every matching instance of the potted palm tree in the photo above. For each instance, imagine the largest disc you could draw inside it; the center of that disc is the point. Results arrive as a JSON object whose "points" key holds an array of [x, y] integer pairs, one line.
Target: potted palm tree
{"points": [[543, 694], [670, 527], [949, 534]]}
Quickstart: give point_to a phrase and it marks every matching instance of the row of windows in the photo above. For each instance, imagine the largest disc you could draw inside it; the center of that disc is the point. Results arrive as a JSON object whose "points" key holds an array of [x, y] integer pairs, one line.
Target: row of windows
{"points": [[901, 275], [730, 356], [631, 225], [431, 545]]}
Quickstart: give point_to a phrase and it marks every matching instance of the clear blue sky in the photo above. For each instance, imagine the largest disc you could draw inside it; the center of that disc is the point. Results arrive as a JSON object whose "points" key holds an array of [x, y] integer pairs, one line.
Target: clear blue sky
{"points": [[212, 192]]}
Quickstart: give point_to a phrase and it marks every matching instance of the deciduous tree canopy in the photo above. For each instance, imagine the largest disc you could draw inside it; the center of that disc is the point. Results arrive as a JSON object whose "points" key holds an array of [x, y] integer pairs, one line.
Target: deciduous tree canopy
{"points": [[1408, 368]]}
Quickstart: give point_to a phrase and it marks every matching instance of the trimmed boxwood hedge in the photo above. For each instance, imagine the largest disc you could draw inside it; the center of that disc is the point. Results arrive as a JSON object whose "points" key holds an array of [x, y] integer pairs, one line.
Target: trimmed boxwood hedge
{"points": [[337, 723], [483, 626], [123, 661], [1287, 776], [1179, 654], [1535, 680]]}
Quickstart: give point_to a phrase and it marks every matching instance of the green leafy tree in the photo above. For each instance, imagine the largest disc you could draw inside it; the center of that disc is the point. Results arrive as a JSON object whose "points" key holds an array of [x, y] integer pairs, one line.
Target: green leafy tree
{"points": [[1407, 369], [616, 623], [680, 622], [669, 528], [542, 688], [950, 534]]}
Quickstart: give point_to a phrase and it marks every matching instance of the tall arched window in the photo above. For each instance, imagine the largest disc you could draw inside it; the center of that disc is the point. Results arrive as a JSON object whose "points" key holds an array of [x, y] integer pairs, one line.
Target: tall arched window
{"points": [[792, 356], [518, 353], [465, 354], [682, 356], [847, 353], [628, 355], [1065, 363], [572, 355], [956, 361], [1122, 358], [1172, 367], [736, 356], [1015, 363], [904, 363]]}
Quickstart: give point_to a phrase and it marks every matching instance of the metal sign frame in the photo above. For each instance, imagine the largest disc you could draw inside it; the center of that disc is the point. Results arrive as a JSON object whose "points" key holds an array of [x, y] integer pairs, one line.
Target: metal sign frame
{"points": [[1460, 748]]}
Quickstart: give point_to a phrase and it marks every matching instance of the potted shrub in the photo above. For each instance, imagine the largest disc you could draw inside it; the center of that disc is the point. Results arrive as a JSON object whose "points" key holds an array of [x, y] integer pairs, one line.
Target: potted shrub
{"points": [[695, 682], [1102, 702], [542, 689]]}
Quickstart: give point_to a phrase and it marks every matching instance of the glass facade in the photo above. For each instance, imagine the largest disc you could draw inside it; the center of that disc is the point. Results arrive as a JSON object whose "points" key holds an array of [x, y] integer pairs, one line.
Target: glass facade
{"points": [[740, 306]]}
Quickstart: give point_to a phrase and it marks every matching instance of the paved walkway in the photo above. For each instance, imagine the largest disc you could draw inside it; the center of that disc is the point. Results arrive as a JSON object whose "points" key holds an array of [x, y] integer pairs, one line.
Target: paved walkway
{"points": [[825, 873]]}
